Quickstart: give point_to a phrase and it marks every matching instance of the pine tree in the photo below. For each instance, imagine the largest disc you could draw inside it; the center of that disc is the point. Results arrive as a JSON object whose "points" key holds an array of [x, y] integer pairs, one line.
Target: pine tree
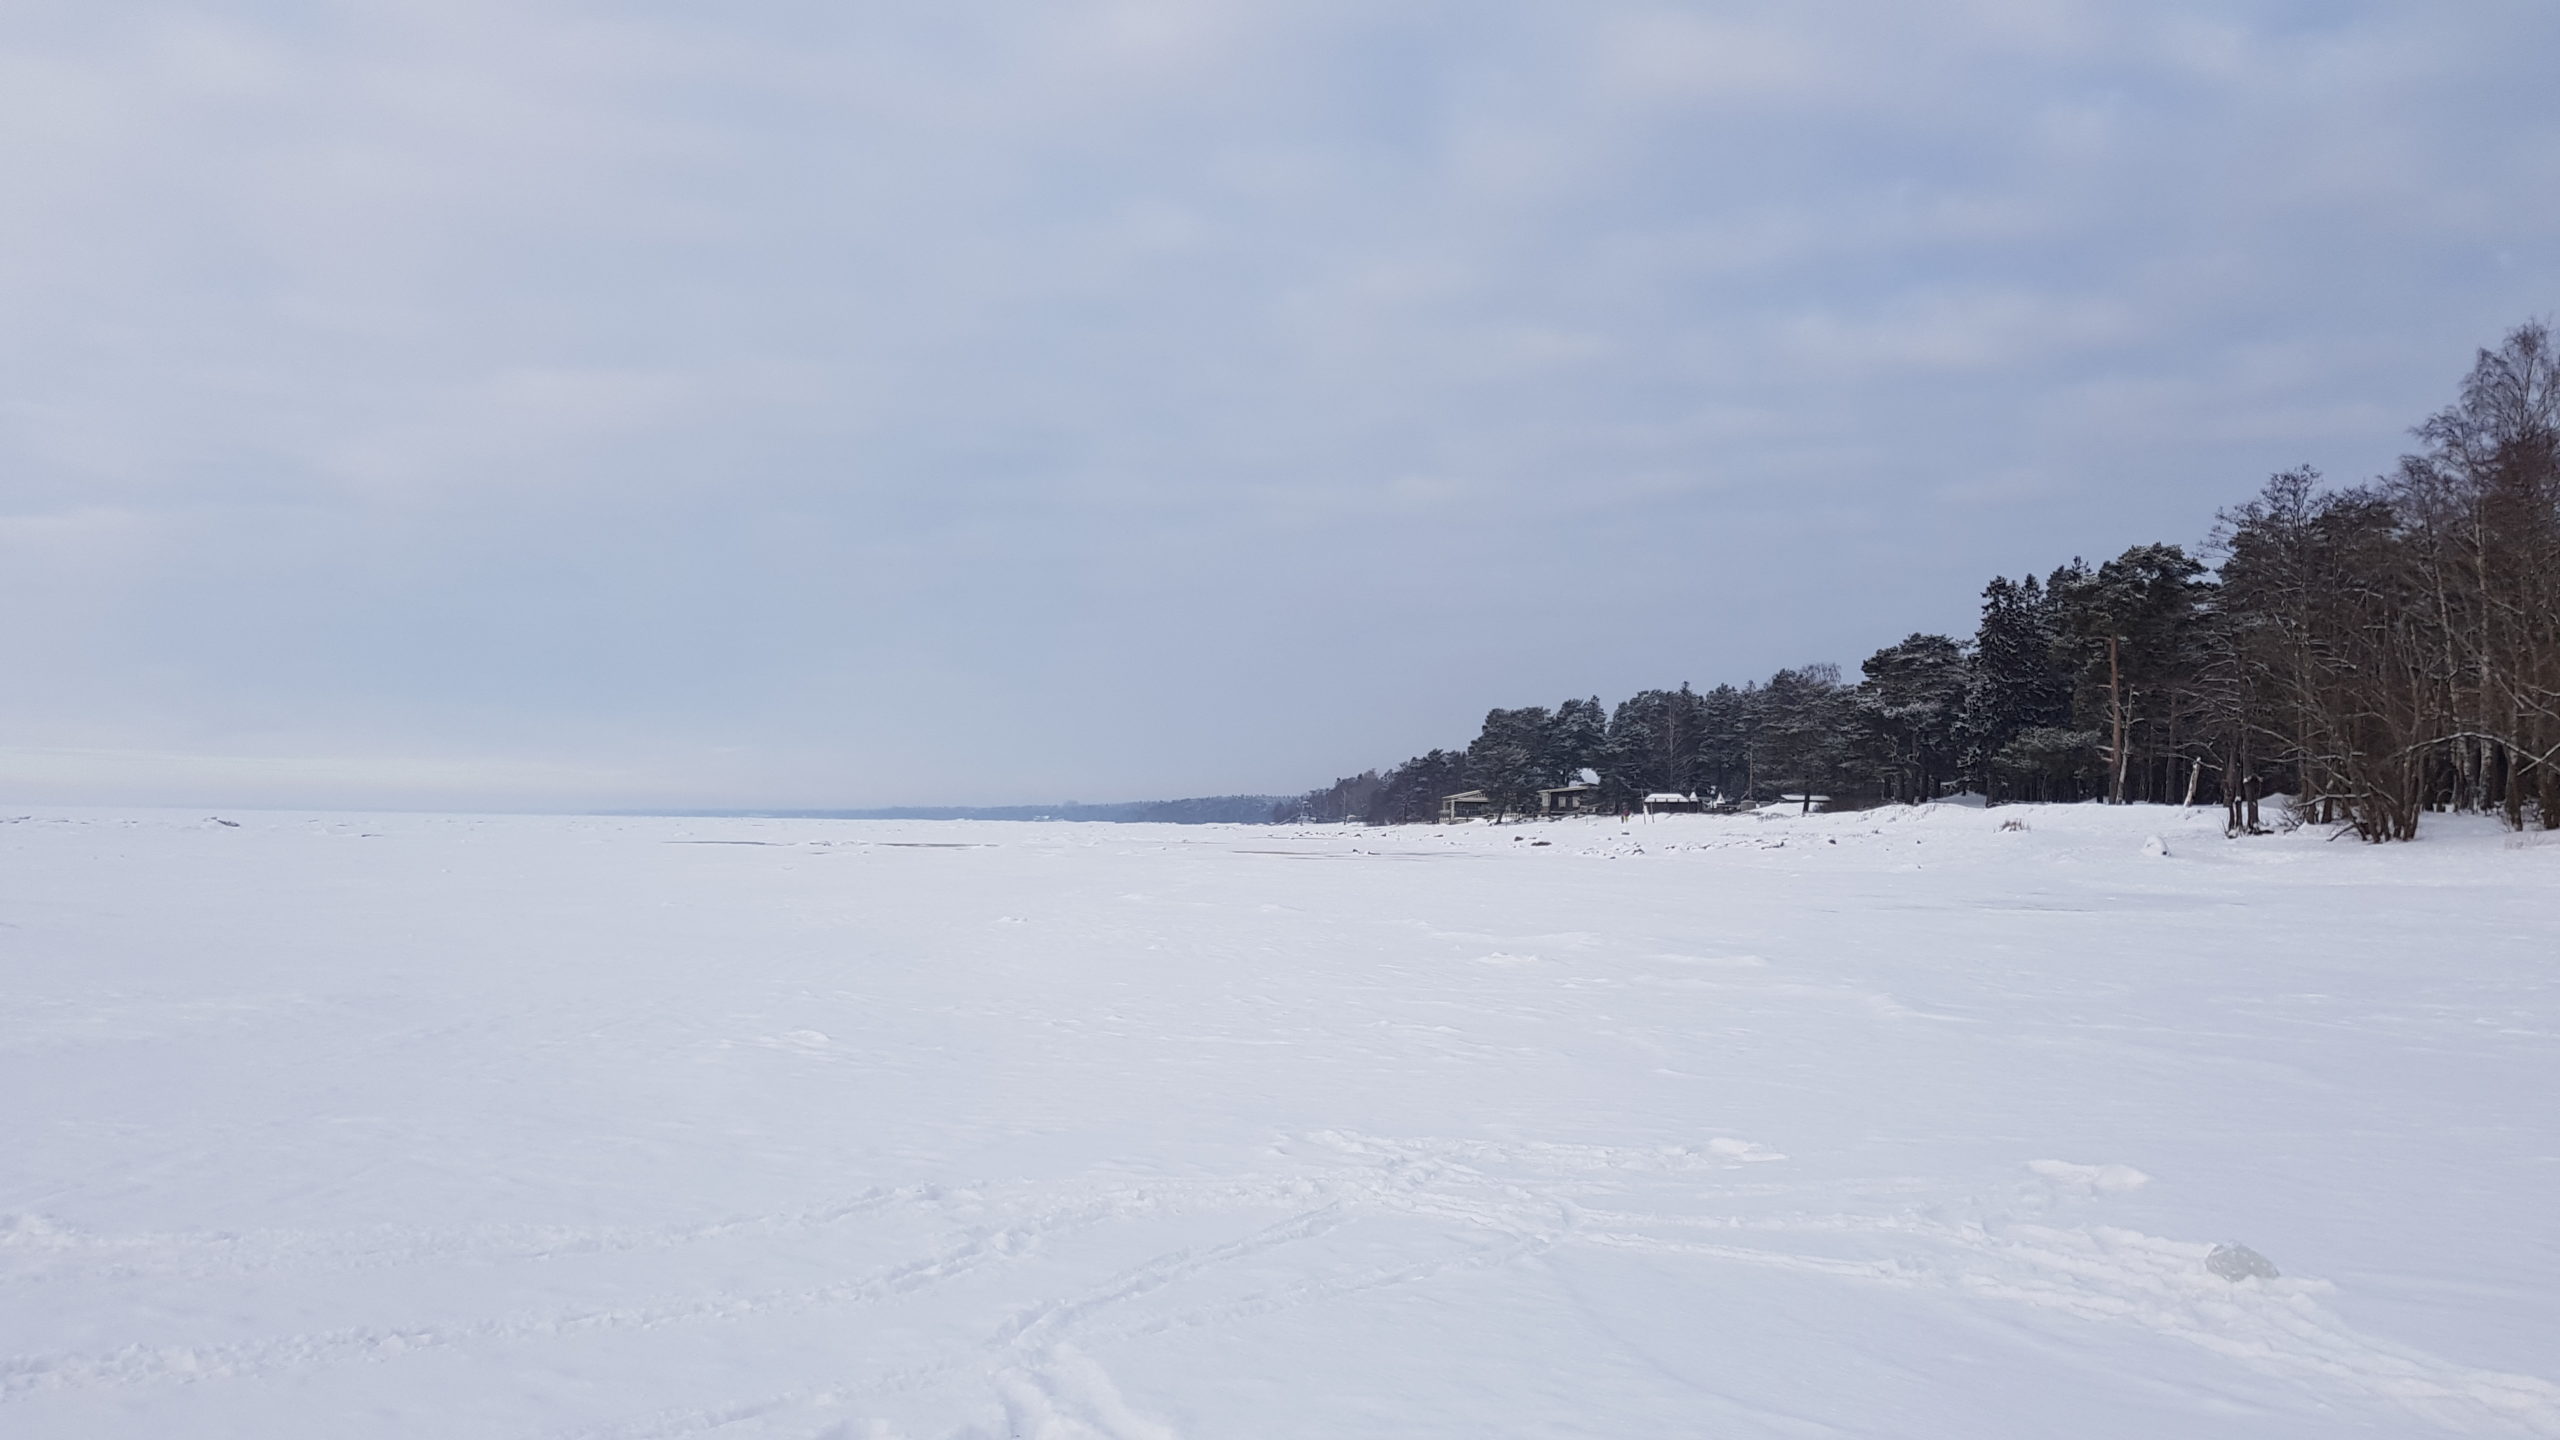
{"points": [[1727, 726], [2016, 684], [1653, 745], [1577, 739], [1507, 761], [1804, 728], [1413, 790], [2132, 625], [1909, 711]]}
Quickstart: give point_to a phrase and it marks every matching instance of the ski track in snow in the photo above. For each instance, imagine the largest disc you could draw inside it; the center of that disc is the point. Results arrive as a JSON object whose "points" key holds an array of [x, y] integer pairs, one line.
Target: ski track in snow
{"points": [[1326, 1219], [1049, 1387]]}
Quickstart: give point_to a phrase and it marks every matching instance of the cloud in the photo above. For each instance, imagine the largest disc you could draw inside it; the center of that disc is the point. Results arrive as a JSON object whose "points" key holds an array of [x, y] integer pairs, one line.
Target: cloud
{"points": [[988, 400]]}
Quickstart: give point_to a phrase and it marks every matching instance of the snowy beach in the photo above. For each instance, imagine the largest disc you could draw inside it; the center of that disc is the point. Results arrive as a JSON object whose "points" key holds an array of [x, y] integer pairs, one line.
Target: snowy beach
{"points": [[1901, 1123]]}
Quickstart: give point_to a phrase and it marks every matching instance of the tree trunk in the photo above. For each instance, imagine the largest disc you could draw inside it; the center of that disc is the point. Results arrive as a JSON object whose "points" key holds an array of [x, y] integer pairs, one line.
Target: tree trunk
{"points": [[2115, 713]]}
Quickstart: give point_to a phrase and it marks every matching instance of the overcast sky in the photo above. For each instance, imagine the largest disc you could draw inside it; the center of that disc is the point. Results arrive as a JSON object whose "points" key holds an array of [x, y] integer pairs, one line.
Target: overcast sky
{"points": [[621, 404]]}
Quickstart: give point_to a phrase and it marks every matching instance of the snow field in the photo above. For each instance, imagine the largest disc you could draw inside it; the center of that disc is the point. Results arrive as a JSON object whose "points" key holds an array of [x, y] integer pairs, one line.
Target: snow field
{"points": [[1898, 1123]]}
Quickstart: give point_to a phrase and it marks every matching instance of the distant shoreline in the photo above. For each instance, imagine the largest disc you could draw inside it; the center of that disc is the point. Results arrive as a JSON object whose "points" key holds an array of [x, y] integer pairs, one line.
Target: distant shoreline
{"points": [[1201, 810]]}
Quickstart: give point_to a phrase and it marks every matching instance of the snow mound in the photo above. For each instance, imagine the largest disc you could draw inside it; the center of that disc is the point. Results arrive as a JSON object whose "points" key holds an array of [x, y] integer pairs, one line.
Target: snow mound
{"points": [[2089, 1179]]}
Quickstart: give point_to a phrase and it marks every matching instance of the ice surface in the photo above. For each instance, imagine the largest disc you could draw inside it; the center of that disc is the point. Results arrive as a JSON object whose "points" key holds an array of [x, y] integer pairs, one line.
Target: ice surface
{"points": [[1897, 1123]]}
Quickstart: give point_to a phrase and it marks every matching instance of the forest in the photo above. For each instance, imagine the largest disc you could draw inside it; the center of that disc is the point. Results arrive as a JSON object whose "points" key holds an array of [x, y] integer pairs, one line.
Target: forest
{"points": [[2354, 656]]}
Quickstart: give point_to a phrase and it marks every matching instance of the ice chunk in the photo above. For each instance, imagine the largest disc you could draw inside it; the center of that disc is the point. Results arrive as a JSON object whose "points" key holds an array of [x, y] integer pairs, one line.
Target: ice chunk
{"points": [[2236, 1263]]}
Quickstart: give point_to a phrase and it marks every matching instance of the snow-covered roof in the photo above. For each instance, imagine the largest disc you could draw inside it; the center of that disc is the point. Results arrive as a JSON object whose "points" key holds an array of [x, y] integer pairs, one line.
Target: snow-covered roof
{"points": [[1666, 797]]}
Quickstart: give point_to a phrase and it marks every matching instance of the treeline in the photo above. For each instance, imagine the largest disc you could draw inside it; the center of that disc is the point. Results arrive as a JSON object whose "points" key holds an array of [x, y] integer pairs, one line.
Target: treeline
{"points": [[2370, 653]]}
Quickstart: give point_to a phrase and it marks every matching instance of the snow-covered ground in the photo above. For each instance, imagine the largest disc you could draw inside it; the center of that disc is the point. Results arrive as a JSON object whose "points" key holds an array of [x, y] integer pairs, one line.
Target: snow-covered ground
{"points": [[1898, 1124]]}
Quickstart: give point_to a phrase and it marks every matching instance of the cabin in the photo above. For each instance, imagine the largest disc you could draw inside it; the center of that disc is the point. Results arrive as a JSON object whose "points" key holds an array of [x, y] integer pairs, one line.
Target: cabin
{"points": [[1465, 805], [1671, 802], [1578, 798]]}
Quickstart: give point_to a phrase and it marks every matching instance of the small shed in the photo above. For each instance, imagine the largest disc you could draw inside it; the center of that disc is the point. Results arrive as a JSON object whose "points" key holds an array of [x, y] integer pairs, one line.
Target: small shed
{"points": [[1672, 802]]}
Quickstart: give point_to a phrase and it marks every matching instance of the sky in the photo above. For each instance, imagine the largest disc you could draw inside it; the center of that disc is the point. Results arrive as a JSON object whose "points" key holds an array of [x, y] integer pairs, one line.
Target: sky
{"points": [[551, 405]]}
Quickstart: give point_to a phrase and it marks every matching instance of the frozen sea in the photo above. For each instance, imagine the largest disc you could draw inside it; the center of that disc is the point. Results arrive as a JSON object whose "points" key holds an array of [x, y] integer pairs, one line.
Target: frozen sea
{"points": [[1894, 1124]]}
